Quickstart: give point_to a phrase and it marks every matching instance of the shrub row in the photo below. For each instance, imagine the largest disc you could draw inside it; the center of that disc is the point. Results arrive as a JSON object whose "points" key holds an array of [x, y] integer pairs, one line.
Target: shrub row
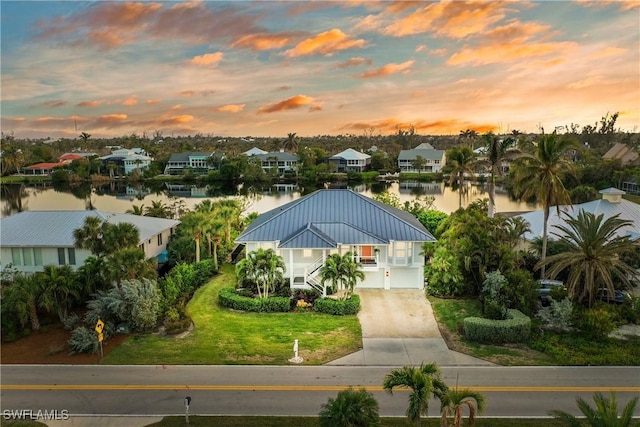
{"points": [[230, 299], [516, 328], [338, 307]]}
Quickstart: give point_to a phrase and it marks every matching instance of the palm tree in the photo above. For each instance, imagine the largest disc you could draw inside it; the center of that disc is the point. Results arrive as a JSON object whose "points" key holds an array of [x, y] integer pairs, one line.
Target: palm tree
{"points": [[595, 255], [423, 381], [25, 296], [158, 210], [331, 272], [460, 161], [540, 176], [291, 143], [351, 272], [453, 402], [136, 210], [498, 150], [263, 267], [605, 414], [120, 236], [89, 236], [350, 408], [419, 163], [85, 137], [469, 136], [12, 159], [58, 284], [342, 271]]}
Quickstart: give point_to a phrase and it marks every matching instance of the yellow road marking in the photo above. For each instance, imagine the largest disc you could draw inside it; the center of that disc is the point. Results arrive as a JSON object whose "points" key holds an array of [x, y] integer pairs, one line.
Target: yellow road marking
{"points": [[521, 389]]}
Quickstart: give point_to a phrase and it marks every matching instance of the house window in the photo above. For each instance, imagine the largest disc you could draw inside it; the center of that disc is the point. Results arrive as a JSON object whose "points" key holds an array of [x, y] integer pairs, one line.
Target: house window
{"points": [[37, 252], [160, 239], [26, 256], [142, 246], [307, 253], [61, 257], [72, 256], [16, 255]]}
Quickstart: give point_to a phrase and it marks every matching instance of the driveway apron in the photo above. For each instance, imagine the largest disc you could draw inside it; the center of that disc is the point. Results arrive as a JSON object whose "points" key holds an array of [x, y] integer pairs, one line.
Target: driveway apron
{"points": [[398, 329]]}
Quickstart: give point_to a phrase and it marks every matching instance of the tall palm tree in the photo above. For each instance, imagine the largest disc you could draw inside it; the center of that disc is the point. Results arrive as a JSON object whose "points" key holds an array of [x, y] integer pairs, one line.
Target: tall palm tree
{"points": [[605, 414], [424, 381], [331, 272], [291, 143], [89, 236], [342, 271], [351, 272], [136, 210], [12, 159], [498, 150], [595, 255], [120, 236], [460, 161], [158, 209], [351, 408], [26, 297], [540, 176], [263, 267], [453, 402]]}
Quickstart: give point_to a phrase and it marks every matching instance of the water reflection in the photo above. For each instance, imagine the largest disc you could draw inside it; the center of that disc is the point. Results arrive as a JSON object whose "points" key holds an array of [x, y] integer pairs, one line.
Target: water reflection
{"points": [[120, 196]]}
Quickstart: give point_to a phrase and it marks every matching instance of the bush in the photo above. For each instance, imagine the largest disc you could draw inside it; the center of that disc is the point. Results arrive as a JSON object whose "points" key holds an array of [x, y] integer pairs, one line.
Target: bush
{"points": [[338, 307], [516, 328], [83, 340], [308, 296], [229, 298], [494, 296], [177, 326], [71, 321], [351, 408], [596, 322], [557, 315]]}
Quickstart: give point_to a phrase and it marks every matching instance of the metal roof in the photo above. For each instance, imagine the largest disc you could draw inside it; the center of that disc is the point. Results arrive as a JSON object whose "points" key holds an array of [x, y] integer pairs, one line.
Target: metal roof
{"points": [[425, 154], [351, 154], [628, 210], [279, 155], [55, 228], [334, 217], [187, 155]]}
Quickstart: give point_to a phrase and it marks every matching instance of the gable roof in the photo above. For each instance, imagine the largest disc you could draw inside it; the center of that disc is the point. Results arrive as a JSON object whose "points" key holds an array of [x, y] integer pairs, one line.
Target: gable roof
{"points": [[55, 228], [628, 211], [253, 151], [350, 154], [622, 152], [427, 154], [279, 155], [327, 218]]}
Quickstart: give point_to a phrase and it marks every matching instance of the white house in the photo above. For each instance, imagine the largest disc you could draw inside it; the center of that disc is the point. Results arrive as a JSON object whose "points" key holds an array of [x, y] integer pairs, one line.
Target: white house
{"points": [[350, 160], [387, 241], [127, 160], [197, 162], [32, 239], [254, 151], [277, 161], [609, 205], [434, 160]]}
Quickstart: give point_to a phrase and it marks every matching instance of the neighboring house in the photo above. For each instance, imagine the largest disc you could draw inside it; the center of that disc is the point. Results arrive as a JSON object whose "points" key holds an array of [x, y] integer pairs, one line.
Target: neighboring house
{"points": [[622, 152], [434, 160], [126, 160], [277, 161], [254, 151], [196, 162], [33, 239], [609, 205], [350, 160], [387, 241], [48, 168]]}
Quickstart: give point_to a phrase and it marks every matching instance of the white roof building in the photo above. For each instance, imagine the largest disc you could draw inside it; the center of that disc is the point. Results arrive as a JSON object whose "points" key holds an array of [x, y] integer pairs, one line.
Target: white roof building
{"points": [[609, 205]]}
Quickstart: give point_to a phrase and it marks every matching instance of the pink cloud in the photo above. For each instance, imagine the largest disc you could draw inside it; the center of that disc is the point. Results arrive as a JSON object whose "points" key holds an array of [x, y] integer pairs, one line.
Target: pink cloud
{"points": [[88, 104], [231, 108], [177, 120], [130, 101], [111, 120], [354, 62], [153, 101], [260, 42], [326, 43], [207, 59]]}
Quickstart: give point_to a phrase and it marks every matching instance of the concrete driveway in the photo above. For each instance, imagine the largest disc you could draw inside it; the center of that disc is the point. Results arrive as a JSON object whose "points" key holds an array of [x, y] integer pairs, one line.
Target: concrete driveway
{"points": [[399, 328]]}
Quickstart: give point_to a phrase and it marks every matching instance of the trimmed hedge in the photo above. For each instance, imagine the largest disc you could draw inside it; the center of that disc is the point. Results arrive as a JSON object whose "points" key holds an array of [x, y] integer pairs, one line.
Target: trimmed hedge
{"points": [[229, 298], [516, 328], [338, 307]]}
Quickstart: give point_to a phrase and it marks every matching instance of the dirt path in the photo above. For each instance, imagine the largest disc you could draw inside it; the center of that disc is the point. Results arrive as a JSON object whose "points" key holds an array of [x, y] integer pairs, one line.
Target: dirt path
{"points": [[396, 314]]}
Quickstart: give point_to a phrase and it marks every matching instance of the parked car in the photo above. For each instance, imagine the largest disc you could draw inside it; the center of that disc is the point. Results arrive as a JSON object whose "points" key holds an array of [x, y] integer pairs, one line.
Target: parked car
{"points": [[619, 297], [546, 286]]}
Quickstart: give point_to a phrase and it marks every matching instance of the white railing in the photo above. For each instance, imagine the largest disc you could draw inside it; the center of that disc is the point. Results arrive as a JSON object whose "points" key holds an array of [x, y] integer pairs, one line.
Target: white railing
{"points": [[314, 267]]}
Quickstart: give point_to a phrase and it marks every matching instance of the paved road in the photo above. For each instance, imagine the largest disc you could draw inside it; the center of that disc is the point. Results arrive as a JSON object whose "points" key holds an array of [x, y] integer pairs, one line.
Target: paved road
{"points": [[291, 390]]}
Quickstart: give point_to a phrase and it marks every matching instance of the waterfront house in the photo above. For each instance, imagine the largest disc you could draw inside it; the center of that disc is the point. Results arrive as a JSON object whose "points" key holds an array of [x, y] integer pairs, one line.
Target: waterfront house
{"points": [[32, 239], [254, 151], [433, 160], [126, 160], [350, 160], [196, 162], [277, 162], [385, 240]]}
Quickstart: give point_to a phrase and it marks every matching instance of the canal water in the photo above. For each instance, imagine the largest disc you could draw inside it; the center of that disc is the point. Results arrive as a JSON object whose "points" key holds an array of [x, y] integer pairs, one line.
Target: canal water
{"points": [[119, 197]]}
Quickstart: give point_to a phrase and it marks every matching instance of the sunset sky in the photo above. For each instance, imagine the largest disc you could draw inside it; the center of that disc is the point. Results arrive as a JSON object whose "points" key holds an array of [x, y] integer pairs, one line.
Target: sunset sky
{"points": [[269, 68]]}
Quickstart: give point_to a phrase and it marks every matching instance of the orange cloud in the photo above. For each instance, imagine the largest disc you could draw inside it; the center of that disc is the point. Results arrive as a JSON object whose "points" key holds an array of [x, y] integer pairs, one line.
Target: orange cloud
{"points": [[187, 93], [123, 14], [326, 43], [231, 108], [287, 104], [130, 101], [608, 51], [437, 127], [387, 69], [104, 39], [508, 52], [111, 119], [177, 120], [589, 81], [207, 59], [315, 107], [153, 101], [259, 42], [464, 81], [88, 104], [353, 62]]}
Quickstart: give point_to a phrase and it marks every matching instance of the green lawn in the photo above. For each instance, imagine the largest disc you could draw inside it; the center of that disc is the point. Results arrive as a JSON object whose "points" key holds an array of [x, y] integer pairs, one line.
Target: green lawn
{"points": [[222, 336], [543, 348]]}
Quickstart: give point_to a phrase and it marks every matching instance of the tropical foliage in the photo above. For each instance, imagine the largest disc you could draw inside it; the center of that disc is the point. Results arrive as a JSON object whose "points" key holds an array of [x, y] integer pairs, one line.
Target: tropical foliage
{"points": [[605, 413], [351, 408], [454, 400], [264, 268], [342, 272]]}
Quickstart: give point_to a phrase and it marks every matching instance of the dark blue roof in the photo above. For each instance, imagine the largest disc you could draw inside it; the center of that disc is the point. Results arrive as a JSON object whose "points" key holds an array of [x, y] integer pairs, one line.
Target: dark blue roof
{"points": [[327, 218]]}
